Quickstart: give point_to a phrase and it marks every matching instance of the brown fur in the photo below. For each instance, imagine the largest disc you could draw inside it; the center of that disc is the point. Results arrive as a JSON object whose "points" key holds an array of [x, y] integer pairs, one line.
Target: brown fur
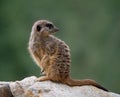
{"points": [[53, 55]]}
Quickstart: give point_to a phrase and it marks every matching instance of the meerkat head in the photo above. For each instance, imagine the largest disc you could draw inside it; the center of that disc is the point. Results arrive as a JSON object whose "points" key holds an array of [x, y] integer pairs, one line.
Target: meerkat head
{"points": [[44, 27]]}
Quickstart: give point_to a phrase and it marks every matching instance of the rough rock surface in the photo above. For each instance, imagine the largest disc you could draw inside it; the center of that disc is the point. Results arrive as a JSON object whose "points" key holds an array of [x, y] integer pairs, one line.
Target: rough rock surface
{"points": [[28, 87]]}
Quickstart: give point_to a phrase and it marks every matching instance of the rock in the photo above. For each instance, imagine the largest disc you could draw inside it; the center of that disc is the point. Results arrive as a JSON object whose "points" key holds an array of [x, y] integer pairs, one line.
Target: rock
{"points": [[19, 88], [28, 87]]}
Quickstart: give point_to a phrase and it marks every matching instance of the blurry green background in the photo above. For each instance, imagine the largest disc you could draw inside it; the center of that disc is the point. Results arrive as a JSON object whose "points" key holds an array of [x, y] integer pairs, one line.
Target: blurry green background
{"points": [[90, 27]]}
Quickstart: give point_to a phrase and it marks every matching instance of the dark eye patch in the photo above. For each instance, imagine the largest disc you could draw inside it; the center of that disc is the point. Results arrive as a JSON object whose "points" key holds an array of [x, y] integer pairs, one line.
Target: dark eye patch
{"points": [[38, 27], [49, 26]]}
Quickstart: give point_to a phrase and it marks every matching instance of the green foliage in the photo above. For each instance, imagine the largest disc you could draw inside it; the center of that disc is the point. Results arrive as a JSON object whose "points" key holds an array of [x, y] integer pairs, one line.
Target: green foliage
{"points": [[90, 27]]}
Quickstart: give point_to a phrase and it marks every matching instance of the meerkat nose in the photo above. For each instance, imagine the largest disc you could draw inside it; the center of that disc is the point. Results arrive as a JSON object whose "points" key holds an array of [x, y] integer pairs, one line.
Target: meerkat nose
{"points": [[56, 29]]}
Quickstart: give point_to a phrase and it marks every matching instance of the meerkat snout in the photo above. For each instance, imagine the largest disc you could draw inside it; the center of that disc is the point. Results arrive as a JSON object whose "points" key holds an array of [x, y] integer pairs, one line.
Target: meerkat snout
{"points": [[50, 28]]}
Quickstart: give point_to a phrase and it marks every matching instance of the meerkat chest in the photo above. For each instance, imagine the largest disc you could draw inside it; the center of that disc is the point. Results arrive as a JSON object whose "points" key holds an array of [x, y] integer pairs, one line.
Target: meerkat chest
{"points": [[50, 46]]}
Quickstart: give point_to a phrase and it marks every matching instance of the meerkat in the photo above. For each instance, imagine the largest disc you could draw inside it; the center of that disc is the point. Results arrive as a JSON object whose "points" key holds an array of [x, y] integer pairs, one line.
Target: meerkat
{"points": [[52, 55]]}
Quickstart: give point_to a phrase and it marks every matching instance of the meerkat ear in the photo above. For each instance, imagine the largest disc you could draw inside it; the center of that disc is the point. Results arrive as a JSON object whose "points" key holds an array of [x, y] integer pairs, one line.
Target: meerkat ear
{"points": [[38, 27]]}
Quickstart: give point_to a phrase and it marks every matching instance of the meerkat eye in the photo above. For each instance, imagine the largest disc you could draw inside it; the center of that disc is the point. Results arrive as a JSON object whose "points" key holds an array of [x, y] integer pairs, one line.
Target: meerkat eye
{"points": [[50, 26], [38, 27]]}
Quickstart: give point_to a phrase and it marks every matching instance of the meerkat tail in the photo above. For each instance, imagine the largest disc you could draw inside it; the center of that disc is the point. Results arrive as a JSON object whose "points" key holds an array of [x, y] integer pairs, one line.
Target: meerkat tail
{"points": [[73, 82]]}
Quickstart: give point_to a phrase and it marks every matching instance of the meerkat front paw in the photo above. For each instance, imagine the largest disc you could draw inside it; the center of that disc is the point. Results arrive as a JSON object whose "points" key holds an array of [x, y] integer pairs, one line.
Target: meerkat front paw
{"points": [[42, 72]]}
